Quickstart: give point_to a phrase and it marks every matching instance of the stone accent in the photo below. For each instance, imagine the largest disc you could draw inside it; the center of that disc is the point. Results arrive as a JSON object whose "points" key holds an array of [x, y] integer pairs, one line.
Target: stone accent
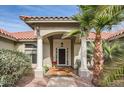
{"points": [[38, 73], [86, 74]]}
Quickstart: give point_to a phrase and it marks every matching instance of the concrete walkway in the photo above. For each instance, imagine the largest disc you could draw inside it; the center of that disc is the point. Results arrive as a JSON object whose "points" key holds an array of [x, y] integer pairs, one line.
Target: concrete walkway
{"points": [[57, 81], [61, 82], [54, 81], [68, 82], [65, 77]]}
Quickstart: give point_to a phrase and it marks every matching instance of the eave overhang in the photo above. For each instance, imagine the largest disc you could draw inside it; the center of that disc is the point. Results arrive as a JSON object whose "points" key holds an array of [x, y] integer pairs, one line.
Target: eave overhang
{"points": [[29, 20]]}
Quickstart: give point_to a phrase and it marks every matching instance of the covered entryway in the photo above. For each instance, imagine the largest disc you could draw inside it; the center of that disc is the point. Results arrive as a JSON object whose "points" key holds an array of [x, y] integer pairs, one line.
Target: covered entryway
{"points": [[62, 52], [48, 32]]}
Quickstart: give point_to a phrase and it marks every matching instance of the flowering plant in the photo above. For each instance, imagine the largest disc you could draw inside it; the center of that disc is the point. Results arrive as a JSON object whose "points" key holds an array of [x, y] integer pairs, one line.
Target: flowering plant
{"points": [[54, 63]]}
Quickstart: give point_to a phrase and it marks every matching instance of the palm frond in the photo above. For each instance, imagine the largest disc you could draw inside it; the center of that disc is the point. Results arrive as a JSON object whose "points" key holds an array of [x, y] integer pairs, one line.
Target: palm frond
{"points": [[84, 17], [108, 16], [72, 33]]}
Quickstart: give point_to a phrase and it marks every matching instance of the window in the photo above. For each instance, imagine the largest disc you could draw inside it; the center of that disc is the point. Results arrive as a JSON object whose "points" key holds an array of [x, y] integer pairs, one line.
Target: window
{"points": [[32, 54], [31, 50], [30, 46], [33, 58]]}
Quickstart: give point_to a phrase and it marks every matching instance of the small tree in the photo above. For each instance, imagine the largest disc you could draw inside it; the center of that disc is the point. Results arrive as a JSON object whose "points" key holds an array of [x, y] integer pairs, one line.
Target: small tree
{"points": [[98, 18]]}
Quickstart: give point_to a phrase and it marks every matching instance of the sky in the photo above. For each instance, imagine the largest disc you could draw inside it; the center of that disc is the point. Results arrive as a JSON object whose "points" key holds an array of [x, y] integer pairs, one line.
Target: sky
{"points": [[9, 14], [10, 21]]}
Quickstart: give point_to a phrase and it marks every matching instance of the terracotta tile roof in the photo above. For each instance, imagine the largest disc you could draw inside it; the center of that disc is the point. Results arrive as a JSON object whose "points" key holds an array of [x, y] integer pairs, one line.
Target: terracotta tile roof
{"points": [[47, 18], [116, 34], [6, 34], [29, 35], [105, 35], [24, 17]]}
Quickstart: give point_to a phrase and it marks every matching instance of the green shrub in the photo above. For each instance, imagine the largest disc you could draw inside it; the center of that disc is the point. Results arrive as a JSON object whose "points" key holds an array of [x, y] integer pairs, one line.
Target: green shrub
{"points": [[113, 67], [13, 65], [111, 72], [46, 68]]}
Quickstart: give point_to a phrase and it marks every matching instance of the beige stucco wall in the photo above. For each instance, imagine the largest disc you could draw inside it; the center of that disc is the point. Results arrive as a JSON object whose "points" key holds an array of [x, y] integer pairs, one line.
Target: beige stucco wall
{"points": [[49, 29], [56, 44], [6, 44], [20, 47], [46, 55], [52, 28]]}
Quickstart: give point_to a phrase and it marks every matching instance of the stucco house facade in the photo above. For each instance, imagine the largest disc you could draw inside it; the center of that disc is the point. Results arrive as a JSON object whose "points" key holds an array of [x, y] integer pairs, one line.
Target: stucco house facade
{"points": [[45, 43]]}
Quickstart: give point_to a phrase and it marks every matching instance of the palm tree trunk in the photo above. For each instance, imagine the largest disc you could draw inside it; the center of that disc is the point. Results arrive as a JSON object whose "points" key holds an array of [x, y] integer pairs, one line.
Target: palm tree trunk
{"points": [[98, 59]]}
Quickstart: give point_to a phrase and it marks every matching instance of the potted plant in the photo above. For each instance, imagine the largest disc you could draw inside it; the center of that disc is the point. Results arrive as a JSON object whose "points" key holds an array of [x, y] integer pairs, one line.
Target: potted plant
{"points": [[54, 63]]}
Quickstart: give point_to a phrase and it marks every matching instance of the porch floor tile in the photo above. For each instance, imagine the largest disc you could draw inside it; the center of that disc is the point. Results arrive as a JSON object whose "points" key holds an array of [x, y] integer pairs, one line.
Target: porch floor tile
{"points": [[60, 71]]}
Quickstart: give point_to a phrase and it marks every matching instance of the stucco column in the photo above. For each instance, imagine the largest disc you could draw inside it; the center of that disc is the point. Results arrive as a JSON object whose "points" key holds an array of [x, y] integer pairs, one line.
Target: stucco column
{"points": [[83, 70], [83, 54], [39, 53], [39, 67]]}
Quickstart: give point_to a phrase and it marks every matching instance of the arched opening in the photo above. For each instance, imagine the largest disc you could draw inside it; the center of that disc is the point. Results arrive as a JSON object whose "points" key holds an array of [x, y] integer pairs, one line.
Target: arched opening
{"points": [[58, 51], [54, 47]]}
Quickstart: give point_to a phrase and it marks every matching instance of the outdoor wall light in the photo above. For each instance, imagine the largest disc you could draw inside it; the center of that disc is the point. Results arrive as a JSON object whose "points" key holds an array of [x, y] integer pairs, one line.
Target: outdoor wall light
{"points": [[61, 44]]}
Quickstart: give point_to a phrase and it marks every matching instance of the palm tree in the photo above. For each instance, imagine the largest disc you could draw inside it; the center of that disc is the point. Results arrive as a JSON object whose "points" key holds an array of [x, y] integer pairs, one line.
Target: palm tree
{"points": [[110, 50], [98, 18], [84, 17], [105, 18], [90, 47]]}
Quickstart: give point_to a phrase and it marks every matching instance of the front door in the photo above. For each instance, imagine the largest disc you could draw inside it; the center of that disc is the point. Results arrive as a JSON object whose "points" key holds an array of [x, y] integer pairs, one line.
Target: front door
{"points": [[62, 57]]}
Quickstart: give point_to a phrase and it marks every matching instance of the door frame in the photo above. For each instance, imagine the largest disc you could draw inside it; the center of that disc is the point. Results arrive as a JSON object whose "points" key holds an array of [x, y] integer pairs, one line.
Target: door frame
{"points": [[58, 57]]}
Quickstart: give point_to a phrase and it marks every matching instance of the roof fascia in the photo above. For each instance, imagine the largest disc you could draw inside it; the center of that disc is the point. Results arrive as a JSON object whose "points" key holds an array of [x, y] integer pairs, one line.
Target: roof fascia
{"points": [[116, 37], [27, 40], [7, 37], [38, 21]]}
